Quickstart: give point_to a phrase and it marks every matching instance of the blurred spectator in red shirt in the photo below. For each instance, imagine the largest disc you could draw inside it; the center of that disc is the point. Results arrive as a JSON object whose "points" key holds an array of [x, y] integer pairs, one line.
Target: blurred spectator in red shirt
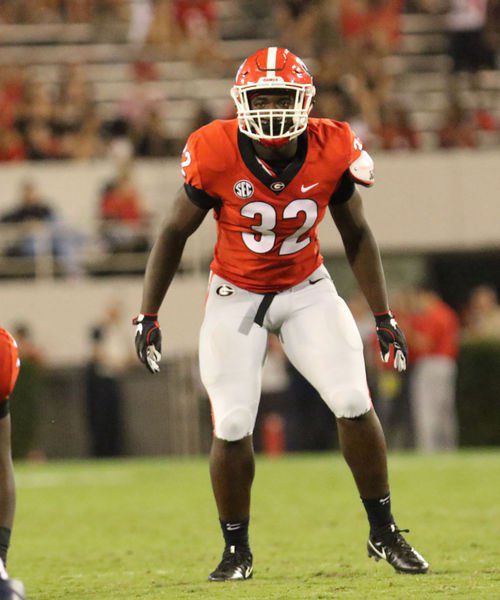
{"points": [[11, 146], [457, 130], [371, 23], [194, 16], [396, 131], [12, 89], [195, 26], [433, 339], [124, 219]]}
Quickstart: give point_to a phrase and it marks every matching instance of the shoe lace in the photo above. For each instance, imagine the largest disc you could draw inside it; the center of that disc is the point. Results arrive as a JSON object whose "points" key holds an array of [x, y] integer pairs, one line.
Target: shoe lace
{"points": [[400, 540], [232, 557]]}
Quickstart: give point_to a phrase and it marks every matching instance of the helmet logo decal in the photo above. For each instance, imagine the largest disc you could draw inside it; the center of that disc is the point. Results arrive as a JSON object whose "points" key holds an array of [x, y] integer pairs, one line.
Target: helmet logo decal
{"points": [[243, 189]]}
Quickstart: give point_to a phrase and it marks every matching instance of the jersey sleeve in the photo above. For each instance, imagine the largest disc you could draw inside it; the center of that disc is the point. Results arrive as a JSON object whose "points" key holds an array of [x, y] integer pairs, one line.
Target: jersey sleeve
{"points": [[359, 163], [343, 191], [192, 159]]}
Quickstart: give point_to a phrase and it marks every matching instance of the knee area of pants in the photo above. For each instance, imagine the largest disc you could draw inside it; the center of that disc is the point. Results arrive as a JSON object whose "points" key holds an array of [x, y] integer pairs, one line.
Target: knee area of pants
{"points": [[350, 403], [234, 426]]}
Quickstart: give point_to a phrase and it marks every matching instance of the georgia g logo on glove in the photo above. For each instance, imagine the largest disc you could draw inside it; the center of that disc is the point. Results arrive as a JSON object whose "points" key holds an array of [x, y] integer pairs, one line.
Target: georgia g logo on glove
{"points": [[388, 333], [148, 341]]}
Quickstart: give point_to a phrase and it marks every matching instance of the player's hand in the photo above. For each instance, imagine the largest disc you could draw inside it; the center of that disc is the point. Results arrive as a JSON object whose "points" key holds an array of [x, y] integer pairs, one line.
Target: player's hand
{"points": [[388, 333], [148, 341]]}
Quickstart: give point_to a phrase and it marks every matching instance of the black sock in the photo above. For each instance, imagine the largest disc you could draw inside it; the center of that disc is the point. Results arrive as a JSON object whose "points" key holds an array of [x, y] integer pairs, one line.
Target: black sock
{"points": [[378, 511], [4, 543], [235, 532]]}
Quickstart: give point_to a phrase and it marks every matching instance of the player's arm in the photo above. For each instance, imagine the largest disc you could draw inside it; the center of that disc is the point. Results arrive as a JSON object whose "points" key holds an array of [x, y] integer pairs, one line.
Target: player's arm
{"points": [[183, 220], [364, 257], [361, 250]]}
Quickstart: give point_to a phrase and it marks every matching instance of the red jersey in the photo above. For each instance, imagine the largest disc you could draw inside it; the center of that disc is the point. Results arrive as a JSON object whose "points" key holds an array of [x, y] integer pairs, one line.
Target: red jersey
{"points": [[9, 364], [267, 221], [440, 326]]}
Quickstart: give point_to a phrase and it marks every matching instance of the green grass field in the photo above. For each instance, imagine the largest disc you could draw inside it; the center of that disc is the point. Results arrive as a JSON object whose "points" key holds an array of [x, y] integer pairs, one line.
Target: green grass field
{"points": [[148, 529]]}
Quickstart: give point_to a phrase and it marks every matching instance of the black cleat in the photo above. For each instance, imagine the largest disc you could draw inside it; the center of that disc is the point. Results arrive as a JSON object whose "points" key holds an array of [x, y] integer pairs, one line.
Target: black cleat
{"points": [[388, 544], [236, 564], [11, 589]]}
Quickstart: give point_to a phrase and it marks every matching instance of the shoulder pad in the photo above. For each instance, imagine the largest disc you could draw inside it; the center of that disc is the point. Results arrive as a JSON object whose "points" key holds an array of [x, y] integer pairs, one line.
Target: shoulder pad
{"points": [[361, 169]]}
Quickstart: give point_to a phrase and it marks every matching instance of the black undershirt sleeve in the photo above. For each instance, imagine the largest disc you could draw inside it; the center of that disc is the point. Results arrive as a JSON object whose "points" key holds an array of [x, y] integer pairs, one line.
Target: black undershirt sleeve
{"points": [[344, 191], [200, 198], [4, 409]]}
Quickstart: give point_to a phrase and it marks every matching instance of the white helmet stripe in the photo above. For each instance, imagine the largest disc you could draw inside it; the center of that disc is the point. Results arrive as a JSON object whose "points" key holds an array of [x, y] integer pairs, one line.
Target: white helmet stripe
{"points": [[271, 61]]}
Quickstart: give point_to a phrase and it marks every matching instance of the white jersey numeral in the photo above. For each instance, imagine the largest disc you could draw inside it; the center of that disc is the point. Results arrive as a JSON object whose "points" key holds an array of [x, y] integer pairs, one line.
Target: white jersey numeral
{"points": [[186, 160], [264, 238], [291, 244]]}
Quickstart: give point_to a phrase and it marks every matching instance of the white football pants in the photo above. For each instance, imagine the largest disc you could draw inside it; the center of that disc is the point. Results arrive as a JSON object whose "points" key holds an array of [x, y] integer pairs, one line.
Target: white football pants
{"points": [[319, 336]]}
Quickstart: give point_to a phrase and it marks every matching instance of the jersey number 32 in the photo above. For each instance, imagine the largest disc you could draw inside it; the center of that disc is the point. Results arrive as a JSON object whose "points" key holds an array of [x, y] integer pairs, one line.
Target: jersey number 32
{"points": [[264, 238]]}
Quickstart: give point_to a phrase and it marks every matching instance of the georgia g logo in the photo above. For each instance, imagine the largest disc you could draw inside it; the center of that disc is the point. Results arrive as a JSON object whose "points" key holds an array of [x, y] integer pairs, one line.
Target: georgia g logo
{"points": [[243, 189], [225, 290]]}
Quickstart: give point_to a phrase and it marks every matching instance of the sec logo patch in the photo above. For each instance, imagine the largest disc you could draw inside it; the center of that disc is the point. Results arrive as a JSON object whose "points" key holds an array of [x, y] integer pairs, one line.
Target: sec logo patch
{"points": [[243, 189]]}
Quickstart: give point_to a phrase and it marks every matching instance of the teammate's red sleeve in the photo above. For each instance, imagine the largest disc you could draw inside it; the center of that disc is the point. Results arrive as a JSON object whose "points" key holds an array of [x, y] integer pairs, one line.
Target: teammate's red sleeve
{"points": [[9, 364]]}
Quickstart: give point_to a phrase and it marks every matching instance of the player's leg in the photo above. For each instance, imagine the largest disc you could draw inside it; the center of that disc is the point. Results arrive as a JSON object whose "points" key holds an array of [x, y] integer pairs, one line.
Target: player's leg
{"points": [[322, 341], [231, 357], [363, 446], [7, 486]]}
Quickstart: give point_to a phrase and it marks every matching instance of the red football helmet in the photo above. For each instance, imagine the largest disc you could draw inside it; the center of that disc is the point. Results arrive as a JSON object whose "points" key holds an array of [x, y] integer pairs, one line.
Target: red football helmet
{"points": [[273, 69], [9, 364]]}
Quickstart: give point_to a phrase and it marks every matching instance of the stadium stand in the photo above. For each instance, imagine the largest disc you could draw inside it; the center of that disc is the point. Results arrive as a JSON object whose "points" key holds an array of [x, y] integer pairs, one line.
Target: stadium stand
{"points": [[416, 68]]}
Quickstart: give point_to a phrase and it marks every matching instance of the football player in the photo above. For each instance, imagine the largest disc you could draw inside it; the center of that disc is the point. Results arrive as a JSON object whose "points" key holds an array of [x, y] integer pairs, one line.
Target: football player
{"points": [[269, 177], [9, 370]]}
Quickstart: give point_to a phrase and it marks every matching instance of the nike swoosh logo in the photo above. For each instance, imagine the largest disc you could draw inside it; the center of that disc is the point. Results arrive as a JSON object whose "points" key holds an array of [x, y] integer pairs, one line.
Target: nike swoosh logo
{"points": [[312, 282], [380, 552], [233, 526], [304, 188]]}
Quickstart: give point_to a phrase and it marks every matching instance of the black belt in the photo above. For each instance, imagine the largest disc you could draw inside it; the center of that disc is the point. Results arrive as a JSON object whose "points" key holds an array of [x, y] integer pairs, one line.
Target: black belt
{"points": [[263, 308]]}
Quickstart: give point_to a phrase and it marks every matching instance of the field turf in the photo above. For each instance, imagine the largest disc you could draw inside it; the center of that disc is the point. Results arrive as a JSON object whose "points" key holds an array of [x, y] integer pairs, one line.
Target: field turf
{"points": [[148, 529]]}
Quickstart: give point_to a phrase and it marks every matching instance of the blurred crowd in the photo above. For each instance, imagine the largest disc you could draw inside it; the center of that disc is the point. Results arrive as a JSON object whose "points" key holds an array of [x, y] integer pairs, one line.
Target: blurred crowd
{"points": [[350, 44], [39, 121], [353, 41]]}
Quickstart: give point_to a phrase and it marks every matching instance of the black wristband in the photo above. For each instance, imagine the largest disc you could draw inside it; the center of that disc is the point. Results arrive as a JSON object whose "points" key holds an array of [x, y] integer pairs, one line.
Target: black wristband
{"points": [[381, 317]]}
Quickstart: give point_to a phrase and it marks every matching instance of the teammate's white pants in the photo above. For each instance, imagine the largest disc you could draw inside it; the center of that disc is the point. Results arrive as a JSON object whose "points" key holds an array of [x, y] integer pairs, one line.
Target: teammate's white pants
{"points": [[432, 398], [319, 336]]}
